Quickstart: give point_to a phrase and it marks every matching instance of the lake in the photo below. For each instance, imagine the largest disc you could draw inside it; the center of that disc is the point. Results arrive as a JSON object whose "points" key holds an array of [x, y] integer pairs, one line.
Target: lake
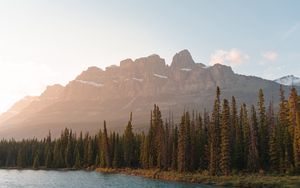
{"points": [[81, 179]]}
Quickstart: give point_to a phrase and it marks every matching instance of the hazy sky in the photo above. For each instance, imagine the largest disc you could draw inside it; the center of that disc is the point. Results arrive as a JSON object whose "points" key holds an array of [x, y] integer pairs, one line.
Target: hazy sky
{"points": [[44, 42]]}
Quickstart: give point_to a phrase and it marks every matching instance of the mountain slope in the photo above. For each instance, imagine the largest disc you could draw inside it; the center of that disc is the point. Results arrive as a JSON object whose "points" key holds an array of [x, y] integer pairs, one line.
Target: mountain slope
{"points": [[289, 80], [134, 86]]}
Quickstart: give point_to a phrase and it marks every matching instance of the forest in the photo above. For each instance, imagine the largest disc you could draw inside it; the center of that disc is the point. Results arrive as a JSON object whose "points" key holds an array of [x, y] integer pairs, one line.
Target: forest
{"points": [[227, 140]]}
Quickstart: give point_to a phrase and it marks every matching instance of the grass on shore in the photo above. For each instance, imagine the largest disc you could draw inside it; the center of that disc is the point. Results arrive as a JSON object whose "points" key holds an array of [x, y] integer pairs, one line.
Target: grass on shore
{"points": [[244, 181]]}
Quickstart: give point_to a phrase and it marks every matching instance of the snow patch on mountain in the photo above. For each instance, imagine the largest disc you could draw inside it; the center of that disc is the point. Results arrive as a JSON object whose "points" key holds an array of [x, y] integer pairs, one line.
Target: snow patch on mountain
{"points": [[186, 69], [288, 80], [90, 83], [138, 79], [160, 76]]}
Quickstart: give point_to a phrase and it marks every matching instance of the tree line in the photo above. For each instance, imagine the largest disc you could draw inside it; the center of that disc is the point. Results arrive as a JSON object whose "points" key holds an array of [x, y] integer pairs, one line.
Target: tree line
{"points": [[228, 140]]}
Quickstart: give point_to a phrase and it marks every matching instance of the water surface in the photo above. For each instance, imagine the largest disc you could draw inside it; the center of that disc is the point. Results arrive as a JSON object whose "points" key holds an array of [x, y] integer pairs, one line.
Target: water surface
{"points": [[82, 179]]}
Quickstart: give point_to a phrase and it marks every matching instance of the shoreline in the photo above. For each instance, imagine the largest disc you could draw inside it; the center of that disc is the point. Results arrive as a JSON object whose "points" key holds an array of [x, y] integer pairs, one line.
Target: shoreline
{"points": [[242, 181]]}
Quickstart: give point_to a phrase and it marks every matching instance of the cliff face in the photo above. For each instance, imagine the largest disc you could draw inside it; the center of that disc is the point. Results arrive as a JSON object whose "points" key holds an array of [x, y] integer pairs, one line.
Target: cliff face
{"points": [[134, 86]]}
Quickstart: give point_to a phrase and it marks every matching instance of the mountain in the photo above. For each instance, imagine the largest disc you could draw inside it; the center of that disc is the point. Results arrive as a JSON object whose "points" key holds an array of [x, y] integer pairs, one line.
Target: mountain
{"points": [[289, 80], [133, 86]]}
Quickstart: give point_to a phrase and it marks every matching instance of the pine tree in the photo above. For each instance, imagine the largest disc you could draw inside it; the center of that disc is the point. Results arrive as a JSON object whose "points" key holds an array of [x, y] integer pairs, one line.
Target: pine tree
{"points": [[128, 144], [36, 162], [274, 145], [21, 160], [253, 160], [235, 135], [174, 163], [263, 132], [246, 135], [214, 146], [181, 160], [225, 147], [68, 154], [188, 142], [77, 164], [49, 157], [90, 152], [58, 160], [295, 123], [286, 155], [144, 159], [238, 156], [105, 147]]}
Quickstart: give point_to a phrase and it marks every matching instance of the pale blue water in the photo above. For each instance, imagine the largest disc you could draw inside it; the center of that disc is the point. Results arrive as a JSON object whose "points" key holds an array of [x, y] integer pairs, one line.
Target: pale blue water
{"points": [[81, 179]]}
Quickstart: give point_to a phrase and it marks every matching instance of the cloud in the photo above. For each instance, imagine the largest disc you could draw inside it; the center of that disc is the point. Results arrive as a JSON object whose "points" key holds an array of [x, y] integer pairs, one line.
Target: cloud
{"points": [[291, 31], [270, 56], [233, 57]]}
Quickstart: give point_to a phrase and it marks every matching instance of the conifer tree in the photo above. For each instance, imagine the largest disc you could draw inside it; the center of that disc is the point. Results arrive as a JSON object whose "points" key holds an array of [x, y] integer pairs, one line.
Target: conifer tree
{"points": [[77, 164], [174, 163], [188, 142], [21, 163], [36, 161], [90, 152], [286, 155], [253, 160], [238, 148], [246, 135], [58, 160], [295, 123], [234, 134], [128, 143], [182, 146], [263, 131], [49, 157], [105, 147], [144, 159], [214, 146], [117, 161], [225, 148], [274, 145], [68, 154]]}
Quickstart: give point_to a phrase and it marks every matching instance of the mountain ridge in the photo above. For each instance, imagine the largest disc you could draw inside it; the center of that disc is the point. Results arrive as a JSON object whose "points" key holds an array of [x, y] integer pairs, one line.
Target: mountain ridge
{"points": [[289, 80], [133, 86]]}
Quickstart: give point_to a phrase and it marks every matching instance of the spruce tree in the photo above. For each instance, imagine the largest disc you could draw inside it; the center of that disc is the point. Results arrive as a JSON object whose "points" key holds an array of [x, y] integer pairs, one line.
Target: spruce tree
{"points": [[225, 132], [295, 123], [214, 145], [128, 144], [77, 164], [174, 163], [181, 156], [263, 131], [21, 160], [286, 155], [274, 145], [105, 147], [253, 160], [36, 161], [246, 135]]}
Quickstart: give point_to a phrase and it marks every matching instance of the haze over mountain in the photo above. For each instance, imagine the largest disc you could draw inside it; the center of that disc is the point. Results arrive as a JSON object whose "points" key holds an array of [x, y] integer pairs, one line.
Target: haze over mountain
{"points": [[134, 86]]}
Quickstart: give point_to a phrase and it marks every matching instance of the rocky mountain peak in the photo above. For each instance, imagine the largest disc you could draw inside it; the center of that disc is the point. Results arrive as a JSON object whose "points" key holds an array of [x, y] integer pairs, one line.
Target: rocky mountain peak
{"points": [[182, 60], [221, 67], [52, 92], [288, 80], [92, 73], [152, 59]]}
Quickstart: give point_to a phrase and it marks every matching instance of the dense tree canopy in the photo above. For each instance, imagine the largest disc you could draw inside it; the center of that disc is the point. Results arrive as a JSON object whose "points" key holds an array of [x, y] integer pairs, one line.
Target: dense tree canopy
{"points": [[227, 140]]}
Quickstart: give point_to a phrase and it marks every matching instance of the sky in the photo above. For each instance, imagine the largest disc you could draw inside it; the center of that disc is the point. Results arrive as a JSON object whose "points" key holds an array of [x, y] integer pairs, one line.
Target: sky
{"points": [[43, 42]]}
